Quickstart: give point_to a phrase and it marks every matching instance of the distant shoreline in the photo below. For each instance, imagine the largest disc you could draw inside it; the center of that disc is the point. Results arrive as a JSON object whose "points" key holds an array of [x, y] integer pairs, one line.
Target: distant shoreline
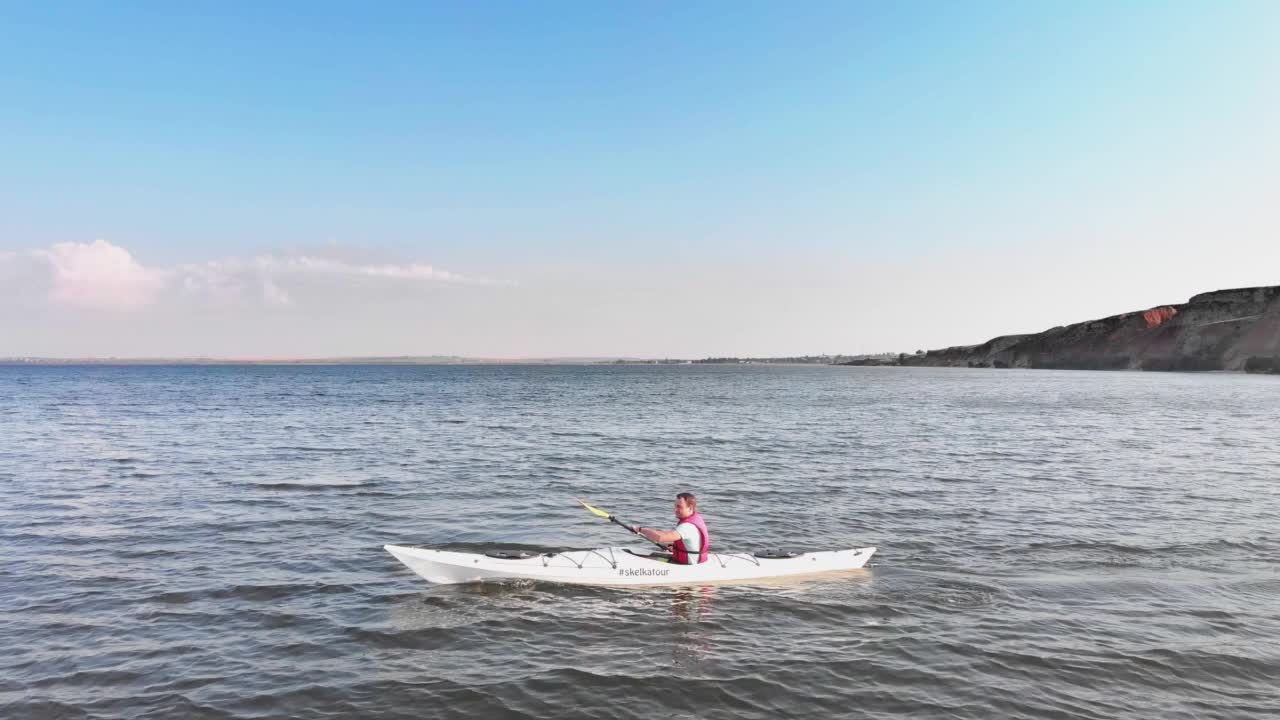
{"points": [[1236, 330], [426, 360]]}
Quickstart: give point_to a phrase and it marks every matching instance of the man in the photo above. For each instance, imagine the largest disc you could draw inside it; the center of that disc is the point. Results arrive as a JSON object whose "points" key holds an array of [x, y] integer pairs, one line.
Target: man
{"points": [[690, 538]]}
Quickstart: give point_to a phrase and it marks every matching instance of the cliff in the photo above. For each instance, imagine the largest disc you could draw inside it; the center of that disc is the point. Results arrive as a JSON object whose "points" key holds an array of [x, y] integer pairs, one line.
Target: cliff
{"points": [[1223, 330]]}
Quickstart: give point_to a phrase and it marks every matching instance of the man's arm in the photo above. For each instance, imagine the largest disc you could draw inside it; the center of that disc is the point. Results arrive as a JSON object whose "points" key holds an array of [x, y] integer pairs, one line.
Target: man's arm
{"points": [[661, 536]]}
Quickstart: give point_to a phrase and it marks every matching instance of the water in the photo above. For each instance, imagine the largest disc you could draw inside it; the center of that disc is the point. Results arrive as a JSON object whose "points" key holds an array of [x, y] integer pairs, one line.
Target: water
{"points": [[205, 542]]}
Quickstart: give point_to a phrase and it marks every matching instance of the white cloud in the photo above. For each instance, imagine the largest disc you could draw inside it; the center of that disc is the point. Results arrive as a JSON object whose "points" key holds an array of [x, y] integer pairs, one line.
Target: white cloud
{"points": [[273, 294], [99, 275], [310, 264], [106, 276]]}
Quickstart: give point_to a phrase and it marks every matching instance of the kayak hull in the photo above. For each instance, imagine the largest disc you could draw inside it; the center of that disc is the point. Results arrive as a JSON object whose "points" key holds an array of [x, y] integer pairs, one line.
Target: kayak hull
{"points": [[619, 566]]}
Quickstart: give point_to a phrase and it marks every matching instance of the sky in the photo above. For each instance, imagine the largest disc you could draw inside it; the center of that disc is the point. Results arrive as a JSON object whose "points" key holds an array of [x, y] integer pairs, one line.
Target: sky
{"points": [[315, 179]]}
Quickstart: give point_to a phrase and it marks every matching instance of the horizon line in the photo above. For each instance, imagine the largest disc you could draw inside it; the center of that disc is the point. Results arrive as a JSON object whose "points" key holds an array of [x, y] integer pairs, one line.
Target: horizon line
{"points": [[266, 359]]}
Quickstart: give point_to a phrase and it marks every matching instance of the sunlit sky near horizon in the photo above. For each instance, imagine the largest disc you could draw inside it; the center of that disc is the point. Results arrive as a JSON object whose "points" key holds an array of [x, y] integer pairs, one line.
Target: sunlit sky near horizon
{"points": [[610, 179]]}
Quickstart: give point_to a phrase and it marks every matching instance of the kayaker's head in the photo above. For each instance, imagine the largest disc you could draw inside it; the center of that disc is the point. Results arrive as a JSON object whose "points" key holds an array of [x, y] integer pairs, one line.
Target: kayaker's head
{"points": [[686, 505]]}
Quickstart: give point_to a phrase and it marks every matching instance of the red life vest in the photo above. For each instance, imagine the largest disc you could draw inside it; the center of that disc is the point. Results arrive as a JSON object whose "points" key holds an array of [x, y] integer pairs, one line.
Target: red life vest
{"points": [[680, 554]]}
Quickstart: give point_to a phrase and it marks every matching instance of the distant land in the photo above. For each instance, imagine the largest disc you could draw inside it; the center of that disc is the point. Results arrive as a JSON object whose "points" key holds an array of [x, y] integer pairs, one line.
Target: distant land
{"points": [[1226, 330], [443, 360], [353, 360]]}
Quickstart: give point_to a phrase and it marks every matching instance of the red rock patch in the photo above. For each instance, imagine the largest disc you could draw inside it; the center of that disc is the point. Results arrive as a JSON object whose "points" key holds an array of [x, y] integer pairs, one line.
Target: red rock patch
{"points": [[1155, 317]]}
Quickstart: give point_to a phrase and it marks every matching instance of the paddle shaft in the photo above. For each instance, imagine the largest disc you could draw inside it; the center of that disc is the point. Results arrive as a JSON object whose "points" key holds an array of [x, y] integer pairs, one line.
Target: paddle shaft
{"points": [[613, 519], [630, 529]]}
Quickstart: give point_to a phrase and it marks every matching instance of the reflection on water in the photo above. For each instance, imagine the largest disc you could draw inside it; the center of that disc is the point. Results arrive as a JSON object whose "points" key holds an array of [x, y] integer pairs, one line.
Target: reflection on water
{"points": [[692, 604], [691, 607]]}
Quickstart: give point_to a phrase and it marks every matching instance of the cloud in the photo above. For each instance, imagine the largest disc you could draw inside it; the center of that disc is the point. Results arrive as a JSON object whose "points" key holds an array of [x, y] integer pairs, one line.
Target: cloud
{"points": [[102, 275], [99, 275], [273, 294], [315, 265]]}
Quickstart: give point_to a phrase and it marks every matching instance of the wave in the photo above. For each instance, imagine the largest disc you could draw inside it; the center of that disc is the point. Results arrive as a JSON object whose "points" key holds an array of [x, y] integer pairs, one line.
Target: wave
{"points": [[315, 449], [306, 486], [1164, 549], [250, 593]]}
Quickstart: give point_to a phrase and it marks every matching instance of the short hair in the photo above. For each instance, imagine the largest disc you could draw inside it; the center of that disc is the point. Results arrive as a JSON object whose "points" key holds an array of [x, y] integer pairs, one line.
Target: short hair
{"points": [[689, 498]]}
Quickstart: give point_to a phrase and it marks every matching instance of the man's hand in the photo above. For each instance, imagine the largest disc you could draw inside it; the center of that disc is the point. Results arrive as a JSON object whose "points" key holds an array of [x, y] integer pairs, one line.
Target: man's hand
{"points": [[658, 536]]}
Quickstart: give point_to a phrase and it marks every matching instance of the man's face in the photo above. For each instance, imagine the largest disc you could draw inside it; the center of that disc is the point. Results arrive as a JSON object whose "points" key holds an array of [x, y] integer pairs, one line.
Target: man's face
{"points": [[682, 509]]}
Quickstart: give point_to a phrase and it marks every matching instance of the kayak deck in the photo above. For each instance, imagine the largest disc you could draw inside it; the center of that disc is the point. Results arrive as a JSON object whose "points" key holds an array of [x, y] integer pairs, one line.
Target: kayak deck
{"points": [[619, 566]]}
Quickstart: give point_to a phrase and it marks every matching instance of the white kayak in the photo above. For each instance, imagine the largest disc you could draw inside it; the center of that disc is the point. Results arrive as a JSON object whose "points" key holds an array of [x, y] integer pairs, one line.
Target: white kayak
{"points": [[621, 566]]}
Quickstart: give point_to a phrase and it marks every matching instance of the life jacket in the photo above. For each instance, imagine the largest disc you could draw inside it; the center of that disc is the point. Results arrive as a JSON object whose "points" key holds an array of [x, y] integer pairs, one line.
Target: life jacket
{"points": [[680, 554]]}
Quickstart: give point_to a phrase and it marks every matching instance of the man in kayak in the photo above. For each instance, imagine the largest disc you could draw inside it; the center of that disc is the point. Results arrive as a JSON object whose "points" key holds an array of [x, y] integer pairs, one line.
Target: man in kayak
{"points": [[690, 539]]}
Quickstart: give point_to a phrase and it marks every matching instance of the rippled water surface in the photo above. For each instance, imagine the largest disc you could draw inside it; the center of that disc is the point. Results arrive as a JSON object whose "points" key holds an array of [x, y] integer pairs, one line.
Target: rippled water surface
{"points": [[206, 542]]}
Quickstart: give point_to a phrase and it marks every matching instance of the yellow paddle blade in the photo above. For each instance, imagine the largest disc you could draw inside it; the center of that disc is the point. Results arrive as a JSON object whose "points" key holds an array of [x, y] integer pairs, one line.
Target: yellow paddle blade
{"points": [[595, 510]]}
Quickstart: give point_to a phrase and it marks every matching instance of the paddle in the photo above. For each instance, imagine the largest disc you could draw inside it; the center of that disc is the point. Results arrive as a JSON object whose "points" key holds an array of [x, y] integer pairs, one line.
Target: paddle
{"points": [[614, 519]]}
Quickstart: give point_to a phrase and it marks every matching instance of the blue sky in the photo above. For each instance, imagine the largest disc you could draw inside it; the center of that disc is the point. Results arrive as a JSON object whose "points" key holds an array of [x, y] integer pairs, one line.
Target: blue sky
{"points": [[656, 158]]}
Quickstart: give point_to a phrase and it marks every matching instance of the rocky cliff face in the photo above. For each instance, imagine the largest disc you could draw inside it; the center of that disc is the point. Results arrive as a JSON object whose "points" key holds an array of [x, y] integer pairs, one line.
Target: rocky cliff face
{"points": [[1223, 330]]}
